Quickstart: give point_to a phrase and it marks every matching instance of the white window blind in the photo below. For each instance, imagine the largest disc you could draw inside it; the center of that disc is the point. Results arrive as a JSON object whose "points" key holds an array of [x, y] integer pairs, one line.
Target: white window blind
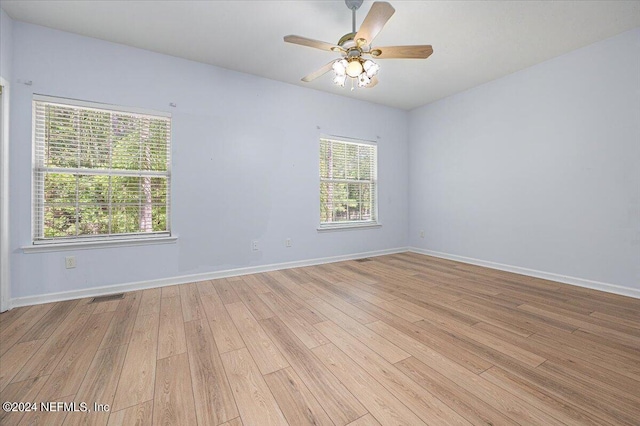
{"points": [[348, 183], [99, 171]]}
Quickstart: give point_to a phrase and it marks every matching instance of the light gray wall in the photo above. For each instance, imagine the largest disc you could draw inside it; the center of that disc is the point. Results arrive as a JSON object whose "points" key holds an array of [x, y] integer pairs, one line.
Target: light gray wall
{"points": [[6, 45], [6, 56], [245, 162], [539, 169]]}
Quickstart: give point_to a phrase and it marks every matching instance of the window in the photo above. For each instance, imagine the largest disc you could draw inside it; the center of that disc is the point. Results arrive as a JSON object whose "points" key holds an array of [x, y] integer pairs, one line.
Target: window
{"points": [[348, 183], [99, 171]]}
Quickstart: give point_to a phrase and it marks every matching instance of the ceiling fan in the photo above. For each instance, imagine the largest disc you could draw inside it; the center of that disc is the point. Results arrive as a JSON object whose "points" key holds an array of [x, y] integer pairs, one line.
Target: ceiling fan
{"points": [[356, 44]]}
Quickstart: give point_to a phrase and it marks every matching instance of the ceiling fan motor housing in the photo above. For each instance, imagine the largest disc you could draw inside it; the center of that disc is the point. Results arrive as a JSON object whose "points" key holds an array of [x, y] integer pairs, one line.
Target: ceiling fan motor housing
{"points": [[353, 4]]}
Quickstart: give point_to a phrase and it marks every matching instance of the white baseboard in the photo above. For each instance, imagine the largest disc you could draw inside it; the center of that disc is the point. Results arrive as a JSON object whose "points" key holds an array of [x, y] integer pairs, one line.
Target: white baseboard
{"points": [[163, 282], [580, 282]]}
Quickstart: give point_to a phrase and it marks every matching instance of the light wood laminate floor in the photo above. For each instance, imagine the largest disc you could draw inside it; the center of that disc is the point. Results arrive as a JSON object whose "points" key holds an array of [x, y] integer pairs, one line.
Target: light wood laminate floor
{"points": [[399, 339]]}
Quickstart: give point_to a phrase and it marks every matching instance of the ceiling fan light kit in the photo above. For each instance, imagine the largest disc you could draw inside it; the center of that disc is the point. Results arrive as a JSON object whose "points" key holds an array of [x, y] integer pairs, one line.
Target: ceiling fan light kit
{"points": [[354, 45]]}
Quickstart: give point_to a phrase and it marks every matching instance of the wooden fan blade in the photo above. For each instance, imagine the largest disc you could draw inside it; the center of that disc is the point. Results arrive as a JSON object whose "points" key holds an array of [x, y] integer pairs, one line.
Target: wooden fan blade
{"points": [[311, 43], [374, 81], [409, 52], [379, 14], [325, 69]]}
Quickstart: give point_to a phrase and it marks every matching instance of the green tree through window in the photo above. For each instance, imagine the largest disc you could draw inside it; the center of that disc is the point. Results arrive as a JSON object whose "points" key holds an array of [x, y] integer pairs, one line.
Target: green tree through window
{"points": [[99, 172], [348, 178]]}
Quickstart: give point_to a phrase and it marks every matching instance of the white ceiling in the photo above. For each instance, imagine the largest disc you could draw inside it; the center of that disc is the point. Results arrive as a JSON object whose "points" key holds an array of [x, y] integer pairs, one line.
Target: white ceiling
{"points": [[473, 41]]}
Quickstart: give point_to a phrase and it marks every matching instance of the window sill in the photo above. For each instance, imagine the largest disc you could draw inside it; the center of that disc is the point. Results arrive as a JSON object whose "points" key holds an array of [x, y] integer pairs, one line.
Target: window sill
{"points": [[349, 227], [97, 244]]}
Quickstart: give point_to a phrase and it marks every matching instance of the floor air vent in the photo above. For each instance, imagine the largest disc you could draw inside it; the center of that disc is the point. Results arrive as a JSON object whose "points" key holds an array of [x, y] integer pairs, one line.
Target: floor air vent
{"points": [[107, 298], [366, 259]]}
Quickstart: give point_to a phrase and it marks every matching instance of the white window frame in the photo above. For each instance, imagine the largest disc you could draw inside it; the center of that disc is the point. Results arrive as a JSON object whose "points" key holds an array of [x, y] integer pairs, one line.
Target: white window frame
{"points": [[92, 241], [359, 224]]}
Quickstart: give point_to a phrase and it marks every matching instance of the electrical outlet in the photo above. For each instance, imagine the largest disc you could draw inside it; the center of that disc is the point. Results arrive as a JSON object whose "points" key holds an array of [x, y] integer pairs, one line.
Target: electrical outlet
{"points": [[287, 242], [422, 234], [70, 262], [254, 245]]}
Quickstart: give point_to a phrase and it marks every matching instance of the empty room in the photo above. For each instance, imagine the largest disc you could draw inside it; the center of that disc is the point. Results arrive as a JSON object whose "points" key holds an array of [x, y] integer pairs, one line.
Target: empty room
{"points": [[319, 212]]}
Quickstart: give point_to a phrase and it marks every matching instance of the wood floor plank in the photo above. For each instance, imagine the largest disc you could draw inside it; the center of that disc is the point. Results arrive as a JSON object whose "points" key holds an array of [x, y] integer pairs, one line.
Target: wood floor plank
{"points": [[15, 358], [469, 360], [224, 330], [251, 300], [629, 336], [475, 410], [293, 305], [138, 375], [99, 385], [339, 404], [308, 334], [622, 327], [613, 319], [52, 417], [395, 308], [418, 399], [7, 317], [555, 402], [26, 390], [362, 290], [607, 360], [50, 321], [350, 309], [284, 281], [138, 415], [45, 360], [286, 296], [366, 420], [213, 395], [234, 422], [267, 356], [205, 288], [293, 287], [593, 387], [298, 405], [376, 398], [526, 320], [494, 395], [121, 326], [487, 339], [377, 343], [255, 284], [623, 385], [348, 269], [603, 306], [171, 291], [171, 340], [297, 275], [14, 331], [108, 306], [622, 348], [150, 302], [192, 308], [423, 311], [226, 291], [71, 370], [322, 280], [256, 404], [173, 402]]}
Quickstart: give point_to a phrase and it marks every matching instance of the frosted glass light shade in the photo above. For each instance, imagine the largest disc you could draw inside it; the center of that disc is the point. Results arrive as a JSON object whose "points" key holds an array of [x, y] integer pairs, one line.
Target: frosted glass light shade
{"points": [[340, 66], [363, 80], [371, 68], [354, 69], [340, 79]]}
